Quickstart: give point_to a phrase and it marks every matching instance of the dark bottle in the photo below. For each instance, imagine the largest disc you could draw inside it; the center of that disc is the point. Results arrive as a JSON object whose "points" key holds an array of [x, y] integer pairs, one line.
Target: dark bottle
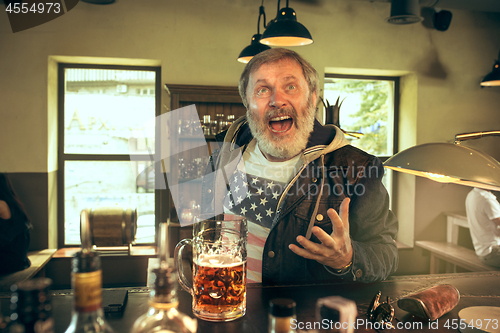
{"points": [[86, 282], [31, 307], [281, 316]]}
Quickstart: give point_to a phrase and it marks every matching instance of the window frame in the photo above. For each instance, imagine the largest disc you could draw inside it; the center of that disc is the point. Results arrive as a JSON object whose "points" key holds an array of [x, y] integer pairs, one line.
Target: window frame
{"points": [[395, 129], [63, 157]]}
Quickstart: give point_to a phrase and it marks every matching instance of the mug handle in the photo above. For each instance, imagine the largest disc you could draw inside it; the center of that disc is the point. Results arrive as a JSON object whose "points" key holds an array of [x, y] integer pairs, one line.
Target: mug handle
{"points": [[181, 277]]}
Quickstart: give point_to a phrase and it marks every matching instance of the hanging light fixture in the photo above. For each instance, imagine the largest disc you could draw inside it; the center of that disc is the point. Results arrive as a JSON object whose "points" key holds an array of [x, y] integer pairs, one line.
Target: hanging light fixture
{"points": [[493, 79], [255, 46], [404, 12], [450, 163], [284, 30]]}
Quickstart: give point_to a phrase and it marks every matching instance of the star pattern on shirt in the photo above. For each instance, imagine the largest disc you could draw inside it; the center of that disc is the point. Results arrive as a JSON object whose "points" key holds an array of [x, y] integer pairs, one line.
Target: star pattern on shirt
{"points": [[253, 197]]}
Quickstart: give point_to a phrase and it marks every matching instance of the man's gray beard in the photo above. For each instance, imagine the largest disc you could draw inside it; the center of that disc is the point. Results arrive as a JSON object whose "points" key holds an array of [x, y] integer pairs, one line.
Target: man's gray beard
{"points": [[273, 146]]}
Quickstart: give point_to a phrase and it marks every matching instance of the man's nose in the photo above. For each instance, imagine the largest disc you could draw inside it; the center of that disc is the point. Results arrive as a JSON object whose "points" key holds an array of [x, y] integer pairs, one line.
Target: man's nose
{"points": [[277, 99]]}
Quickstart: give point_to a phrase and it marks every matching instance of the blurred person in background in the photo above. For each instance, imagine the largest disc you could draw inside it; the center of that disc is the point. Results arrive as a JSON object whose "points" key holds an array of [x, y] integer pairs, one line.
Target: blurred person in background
{"points": [[14, 230], [483, 214]]}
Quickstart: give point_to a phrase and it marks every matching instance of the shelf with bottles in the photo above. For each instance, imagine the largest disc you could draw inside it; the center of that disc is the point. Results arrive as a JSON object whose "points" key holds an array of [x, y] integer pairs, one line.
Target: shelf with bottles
{"points": [[217, 108], [210, 127]]}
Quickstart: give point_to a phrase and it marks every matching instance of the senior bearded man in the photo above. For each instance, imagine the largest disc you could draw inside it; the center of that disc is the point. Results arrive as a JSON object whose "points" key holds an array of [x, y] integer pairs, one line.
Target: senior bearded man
{"points": [[316, 208]]}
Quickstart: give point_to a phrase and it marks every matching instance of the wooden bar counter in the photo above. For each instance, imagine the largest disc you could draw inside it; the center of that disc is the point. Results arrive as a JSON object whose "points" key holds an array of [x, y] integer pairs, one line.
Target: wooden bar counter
{"points": [[476, 289]]}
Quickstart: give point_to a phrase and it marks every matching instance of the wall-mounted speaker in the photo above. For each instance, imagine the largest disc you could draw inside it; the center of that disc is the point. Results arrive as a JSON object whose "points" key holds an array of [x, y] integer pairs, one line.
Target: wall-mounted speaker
{"points": [[442, 20]]}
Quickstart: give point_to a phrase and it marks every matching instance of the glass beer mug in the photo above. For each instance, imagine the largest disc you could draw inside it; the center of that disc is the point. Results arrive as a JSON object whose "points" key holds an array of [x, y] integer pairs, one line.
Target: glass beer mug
{"points": [[219, 267]]}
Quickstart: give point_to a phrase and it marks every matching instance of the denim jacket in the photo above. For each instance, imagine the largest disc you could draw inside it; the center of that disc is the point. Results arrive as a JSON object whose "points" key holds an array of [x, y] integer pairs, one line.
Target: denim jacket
{"points": [[331, 171]]}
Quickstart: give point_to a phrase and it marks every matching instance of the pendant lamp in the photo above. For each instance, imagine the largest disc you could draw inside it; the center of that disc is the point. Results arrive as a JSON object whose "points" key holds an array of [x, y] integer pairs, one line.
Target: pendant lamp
{"points": [[450, 163], [255, 46], [493, 78], [404, 12], [284, 30]]}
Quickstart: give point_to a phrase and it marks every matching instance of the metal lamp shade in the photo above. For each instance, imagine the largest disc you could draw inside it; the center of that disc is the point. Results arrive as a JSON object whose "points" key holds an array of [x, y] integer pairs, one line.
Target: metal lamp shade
{"points": [[286, 31], [492, 79], [449, 163], [251, 50], [404, 12]]}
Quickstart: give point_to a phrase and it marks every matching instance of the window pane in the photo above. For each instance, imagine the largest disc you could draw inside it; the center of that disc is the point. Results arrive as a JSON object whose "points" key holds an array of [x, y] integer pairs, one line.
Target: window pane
{"points": [[89, 184], [103, 107], [367, 107]]}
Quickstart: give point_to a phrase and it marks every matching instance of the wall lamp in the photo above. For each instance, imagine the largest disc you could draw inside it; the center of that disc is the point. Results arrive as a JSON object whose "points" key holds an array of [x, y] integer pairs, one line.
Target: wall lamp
{"points": [[283, 30], [255, 46], [493, 78], [450, 163]]}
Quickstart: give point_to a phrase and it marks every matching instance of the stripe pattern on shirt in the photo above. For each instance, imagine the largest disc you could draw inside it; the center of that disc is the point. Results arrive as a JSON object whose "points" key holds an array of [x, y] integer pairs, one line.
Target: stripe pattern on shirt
{"points": [[255, 198]]}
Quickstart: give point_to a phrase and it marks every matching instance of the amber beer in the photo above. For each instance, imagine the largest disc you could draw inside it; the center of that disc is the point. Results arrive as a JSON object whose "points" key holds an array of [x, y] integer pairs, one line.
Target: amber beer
{"points": [[219, 285], [219, 274]]}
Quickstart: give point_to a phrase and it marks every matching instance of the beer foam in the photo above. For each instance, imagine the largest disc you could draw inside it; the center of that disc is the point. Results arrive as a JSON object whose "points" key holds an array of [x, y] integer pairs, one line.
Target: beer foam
{"points": [[218, 261]]}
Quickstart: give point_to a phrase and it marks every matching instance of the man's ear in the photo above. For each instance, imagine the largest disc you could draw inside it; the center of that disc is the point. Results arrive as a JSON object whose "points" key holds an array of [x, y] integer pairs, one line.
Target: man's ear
{"points": [[315, 98]]}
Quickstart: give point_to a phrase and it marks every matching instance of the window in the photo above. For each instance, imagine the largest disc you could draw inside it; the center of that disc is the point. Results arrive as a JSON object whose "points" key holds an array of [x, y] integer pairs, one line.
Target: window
{"points": [[368, 106], [106, 117]]}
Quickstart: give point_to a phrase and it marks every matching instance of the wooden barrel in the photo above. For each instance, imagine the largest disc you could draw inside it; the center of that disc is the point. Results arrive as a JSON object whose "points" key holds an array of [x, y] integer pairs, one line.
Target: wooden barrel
{"points": [[112, 226]]}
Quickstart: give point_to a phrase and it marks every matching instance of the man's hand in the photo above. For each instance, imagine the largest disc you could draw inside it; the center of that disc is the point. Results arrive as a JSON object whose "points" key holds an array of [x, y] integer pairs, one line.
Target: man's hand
{"points": [[335, 250]]}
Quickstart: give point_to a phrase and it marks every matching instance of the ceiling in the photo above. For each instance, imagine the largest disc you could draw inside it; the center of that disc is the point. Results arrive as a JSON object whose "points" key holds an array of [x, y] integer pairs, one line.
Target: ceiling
{"points": [[473, 5]]}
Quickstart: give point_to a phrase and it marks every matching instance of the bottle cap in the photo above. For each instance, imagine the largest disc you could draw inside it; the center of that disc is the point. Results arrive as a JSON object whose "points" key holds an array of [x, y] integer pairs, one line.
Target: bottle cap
{"points": [[282, 307]]}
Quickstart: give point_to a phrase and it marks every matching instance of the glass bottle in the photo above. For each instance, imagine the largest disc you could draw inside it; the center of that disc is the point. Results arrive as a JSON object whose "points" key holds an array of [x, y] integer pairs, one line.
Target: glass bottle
{"points": [[162, 316], [206, 124], [31, 307], [281, 313], [219, 117], [86, 281], [230, 120], [213, 127]]}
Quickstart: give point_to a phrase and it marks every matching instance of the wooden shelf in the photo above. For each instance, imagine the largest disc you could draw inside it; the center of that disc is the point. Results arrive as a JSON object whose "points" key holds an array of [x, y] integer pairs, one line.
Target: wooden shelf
{"points": [[189, 137], [137, 251]]}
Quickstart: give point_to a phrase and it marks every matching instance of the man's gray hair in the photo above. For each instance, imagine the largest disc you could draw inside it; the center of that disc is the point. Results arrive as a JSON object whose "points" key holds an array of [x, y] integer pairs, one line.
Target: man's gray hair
{"points": [[272, 56]]}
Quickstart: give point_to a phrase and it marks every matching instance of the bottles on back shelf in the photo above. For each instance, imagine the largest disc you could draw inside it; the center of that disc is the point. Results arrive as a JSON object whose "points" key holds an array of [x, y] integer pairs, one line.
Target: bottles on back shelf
{"points": [[86, 281], [31, 307]]}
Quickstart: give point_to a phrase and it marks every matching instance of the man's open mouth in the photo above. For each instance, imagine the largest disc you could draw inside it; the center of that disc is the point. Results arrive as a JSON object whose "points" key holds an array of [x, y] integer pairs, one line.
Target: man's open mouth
{"points": [[280, 124]]}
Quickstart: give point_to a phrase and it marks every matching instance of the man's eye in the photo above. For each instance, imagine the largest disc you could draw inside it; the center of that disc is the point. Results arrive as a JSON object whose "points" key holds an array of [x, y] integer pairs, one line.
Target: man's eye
{"points": [[291, 87], [262, 91]]}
